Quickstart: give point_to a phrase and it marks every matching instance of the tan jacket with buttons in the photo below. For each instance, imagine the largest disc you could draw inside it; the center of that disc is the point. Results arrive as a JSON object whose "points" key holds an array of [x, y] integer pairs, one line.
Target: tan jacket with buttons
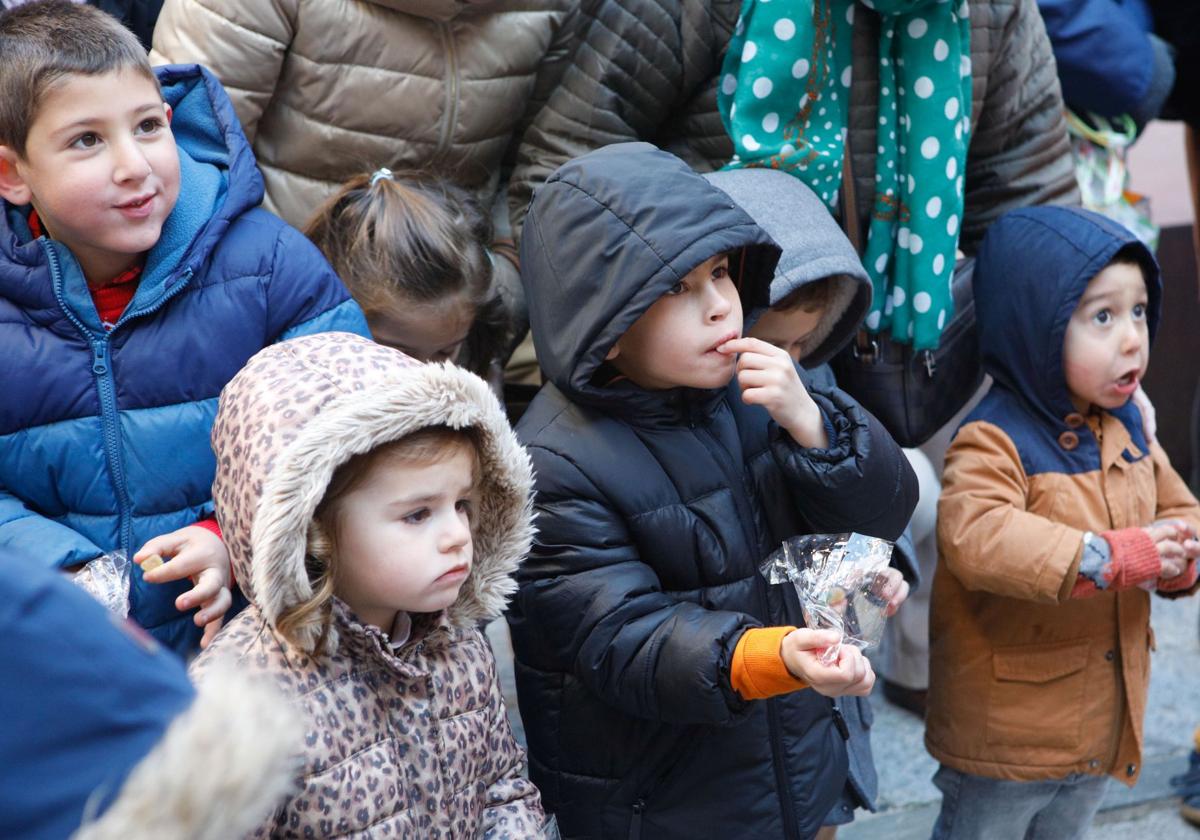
{"points": [[326, 89], [1026, 683]]}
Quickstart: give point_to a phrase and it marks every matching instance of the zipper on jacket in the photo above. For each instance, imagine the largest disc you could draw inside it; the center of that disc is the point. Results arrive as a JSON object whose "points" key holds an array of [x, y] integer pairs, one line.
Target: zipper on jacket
{"points": [[451, 89], [737, 481], [106, 388], [635, 823], [839, 721]]}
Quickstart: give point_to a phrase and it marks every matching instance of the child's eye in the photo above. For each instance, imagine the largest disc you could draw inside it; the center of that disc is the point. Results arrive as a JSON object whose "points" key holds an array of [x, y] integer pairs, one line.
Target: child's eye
{"points": [[417, 516], [464, 506], [1139, 311], [1102, 317], [677, 289], [87, 140], [721, 272], [149, 125]]}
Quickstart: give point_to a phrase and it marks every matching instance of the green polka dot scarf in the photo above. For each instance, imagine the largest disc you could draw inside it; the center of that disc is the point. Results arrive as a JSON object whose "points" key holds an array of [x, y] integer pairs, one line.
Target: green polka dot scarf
{"points": [[784, 97]]}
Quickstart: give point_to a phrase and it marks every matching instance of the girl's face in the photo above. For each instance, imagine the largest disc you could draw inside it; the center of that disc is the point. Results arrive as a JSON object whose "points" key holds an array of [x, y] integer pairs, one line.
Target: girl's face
{"points": [[404, 536], [429, 332]]}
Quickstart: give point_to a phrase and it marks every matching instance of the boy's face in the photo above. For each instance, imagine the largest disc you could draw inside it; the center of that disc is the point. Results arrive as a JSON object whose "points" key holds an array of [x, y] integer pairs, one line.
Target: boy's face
{"points": [[100, 168], [404, 537], [1107, 345], [788, 329], [674, 343]]}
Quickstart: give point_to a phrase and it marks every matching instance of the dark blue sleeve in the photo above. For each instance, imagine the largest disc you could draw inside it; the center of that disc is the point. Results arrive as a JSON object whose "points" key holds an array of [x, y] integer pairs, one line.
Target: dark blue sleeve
{"points": [[305, 296], [1106, 60]]}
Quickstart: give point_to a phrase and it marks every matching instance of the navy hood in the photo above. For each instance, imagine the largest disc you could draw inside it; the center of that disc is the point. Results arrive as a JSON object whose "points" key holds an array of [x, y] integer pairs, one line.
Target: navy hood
{"points": [[1031, 271], [606, 236]]}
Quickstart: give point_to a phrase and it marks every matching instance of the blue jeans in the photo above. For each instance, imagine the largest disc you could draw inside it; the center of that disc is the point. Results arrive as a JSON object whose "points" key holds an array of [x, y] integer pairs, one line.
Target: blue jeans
{"points": [[977, 808]]}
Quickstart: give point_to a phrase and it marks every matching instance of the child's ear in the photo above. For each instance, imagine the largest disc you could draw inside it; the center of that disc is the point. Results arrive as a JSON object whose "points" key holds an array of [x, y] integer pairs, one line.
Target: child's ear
{"points": [[614, 352], [13, 188], [170, 113]]}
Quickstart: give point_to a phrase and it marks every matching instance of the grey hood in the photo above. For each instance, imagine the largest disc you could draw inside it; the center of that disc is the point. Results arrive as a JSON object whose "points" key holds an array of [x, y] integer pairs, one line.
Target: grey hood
{"points": [[814, 247]]}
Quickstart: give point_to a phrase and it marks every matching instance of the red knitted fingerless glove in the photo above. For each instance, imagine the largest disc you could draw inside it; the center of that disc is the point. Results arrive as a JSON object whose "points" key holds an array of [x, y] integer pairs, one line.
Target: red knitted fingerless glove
{"points": [[1134, 558]]}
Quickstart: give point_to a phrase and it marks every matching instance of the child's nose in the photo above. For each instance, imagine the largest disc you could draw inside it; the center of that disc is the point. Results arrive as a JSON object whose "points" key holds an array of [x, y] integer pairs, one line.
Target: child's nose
{"points": [[131, 164], [718, 304], [456, 536]]}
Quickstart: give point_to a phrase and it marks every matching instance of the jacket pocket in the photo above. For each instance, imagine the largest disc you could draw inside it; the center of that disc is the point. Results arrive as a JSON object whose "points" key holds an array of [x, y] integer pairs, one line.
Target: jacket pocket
{"points": [[1036, 695]]}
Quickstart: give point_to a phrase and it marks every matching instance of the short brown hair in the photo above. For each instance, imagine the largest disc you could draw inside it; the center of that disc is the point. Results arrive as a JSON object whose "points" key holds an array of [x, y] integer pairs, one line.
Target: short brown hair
{"points": [[411, 237], [429, 445], [43, 41]]}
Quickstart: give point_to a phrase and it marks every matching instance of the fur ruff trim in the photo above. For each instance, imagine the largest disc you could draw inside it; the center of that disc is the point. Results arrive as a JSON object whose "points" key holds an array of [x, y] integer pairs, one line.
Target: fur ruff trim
{"points": [[357, 422], [220, 770], [842, 295]]}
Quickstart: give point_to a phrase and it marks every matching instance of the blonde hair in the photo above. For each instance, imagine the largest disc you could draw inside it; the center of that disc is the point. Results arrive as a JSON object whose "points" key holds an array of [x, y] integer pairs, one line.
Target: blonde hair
{"points": [[409, 237], [429, 445]]}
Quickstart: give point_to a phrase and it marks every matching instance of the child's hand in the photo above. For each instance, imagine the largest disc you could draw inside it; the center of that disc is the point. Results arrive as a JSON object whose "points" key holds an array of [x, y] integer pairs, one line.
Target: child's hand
{"points": [[767, 377], [850, 674], [199, 554], [1170, 537], [891, 586]]}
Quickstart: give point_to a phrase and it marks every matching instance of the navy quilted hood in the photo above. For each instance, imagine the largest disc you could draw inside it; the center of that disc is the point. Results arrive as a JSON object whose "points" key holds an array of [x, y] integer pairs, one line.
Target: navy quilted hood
{"points": [[1031, 272]]}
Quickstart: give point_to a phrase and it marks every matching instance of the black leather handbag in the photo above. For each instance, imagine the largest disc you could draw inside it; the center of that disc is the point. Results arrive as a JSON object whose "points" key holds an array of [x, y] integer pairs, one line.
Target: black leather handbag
{"points": [[913, 393]]}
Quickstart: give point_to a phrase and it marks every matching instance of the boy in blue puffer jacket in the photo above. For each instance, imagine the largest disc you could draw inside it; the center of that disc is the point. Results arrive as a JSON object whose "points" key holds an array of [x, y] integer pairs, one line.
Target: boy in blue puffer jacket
{"points": [[136, 277]]}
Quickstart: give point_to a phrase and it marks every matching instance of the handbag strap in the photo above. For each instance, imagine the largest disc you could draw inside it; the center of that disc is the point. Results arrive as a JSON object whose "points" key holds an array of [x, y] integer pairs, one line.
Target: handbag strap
{"points": [[865, 347]]}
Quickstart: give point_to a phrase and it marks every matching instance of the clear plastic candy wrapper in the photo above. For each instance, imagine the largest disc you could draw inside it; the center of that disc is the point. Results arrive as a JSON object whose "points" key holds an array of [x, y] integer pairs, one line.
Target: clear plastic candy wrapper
{"points": [[844, 583], [107, 580]]}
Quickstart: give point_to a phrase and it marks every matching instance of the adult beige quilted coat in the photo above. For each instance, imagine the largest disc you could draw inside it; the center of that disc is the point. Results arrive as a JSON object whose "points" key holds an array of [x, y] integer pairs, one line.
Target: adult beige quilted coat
{"points": [[326, 89], [403, 740]]}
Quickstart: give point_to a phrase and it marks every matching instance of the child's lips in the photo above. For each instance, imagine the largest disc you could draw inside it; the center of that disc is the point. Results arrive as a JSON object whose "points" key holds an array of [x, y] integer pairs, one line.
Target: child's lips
{"points": [[1127, 383], [729, 336], [455, 575], [139, 207]]}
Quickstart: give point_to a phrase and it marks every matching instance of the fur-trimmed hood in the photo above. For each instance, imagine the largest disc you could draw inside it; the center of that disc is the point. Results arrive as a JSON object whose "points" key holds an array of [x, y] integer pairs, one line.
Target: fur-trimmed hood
{"points": [[300, 409]]}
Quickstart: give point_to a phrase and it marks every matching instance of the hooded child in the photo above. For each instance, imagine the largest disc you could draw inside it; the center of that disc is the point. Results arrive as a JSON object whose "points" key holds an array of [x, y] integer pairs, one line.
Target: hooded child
{"points": [[819, 297], [1057, 520], [650, 650], [376, 508]]}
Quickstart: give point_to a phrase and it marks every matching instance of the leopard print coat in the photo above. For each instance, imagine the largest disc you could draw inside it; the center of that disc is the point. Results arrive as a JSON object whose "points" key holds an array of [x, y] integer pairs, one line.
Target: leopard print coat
{"points": [[411, 741]]}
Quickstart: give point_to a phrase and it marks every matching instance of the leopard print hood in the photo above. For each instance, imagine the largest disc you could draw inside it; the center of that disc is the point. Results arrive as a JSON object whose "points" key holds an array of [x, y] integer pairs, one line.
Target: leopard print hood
{"points": [[300, 409]]}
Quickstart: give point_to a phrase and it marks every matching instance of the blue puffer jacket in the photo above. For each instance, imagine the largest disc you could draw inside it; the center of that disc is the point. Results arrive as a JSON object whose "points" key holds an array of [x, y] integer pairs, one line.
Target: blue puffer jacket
{"points": [[104, 435]]}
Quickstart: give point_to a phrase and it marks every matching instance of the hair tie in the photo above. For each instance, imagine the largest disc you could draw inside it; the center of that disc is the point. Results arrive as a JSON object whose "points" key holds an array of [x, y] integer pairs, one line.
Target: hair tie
{"points": [[379, 174]]}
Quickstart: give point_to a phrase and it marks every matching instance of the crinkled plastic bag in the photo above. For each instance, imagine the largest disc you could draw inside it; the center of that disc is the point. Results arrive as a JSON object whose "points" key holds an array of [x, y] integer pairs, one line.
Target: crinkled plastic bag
{"points": [[842, 581], [107, 580]]}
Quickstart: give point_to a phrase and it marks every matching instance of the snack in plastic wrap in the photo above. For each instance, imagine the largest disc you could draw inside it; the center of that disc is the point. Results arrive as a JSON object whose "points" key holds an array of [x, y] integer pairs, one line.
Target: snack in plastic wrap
{"points": [[843, 582], [107, 580]]}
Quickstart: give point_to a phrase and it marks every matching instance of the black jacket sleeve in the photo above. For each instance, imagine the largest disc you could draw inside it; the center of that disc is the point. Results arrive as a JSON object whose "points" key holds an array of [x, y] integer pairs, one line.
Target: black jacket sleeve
{"points": [[862, 482], [596, 609]]}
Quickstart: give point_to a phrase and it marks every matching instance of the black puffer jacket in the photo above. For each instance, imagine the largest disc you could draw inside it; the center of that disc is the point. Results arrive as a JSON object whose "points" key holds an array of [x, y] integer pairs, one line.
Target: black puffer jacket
{"points": [[648, 70], [654, 511]]}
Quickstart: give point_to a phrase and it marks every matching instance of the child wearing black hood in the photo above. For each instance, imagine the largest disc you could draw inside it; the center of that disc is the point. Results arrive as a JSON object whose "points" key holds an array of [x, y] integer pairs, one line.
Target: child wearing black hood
{"points": [[1056, 521], [672, 456]]}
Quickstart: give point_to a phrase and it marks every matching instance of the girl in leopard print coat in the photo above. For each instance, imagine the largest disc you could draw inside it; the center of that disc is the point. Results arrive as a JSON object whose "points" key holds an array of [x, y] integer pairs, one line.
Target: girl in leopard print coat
{"points": [[370, 556]]}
